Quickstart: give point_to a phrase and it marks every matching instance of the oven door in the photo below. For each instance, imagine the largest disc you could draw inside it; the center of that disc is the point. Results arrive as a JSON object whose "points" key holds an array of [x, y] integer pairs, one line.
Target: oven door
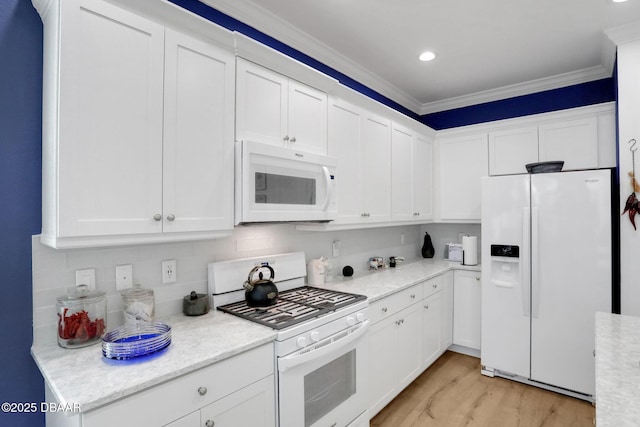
{"points": [[325, 384], [278, 184]]}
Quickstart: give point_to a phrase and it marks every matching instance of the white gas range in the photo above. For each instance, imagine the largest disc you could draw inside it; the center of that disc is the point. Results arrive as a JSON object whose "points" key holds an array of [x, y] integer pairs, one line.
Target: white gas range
{"points": [[320, 348]]}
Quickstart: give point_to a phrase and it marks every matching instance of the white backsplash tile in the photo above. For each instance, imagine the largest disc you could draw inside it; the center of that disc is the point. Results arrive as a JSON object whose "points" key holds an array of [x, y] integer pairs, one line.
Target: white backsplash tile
{"points": [[54, 270]]}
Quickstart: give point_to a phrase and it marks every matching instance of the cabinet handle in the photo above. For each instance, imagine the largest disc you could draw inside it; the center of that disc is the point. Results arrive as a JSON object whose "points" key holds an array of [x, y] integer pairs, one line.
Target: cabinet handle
{"points": [[384, 309], [202, 391], [209, 423], [478, 278], [293, 139], [426, 306], [286, 138], [157, 217], [171, 217], [435, 286], [413, 296]]}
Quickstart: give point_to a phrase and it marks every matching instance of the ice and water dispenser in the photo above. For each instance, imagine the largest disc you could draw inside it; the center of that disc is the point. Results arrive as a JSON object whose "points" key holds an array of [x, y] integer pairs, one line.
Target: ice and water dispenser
{"points": [[505, 265]]}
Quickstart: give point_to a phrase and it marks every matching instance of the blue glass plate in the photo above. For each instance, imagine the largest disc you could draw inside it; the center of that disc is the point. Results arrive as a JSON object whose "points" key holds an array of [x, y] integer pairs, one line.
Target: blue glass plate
{"points": [[136, 340]]}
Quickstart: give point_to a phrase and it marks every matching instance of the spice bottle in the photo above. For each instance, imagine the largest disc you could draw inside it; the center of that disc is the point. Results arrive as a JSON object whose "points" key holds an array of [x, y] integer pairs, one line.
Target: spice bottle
{"points": [[138, 304], [81, 317]]}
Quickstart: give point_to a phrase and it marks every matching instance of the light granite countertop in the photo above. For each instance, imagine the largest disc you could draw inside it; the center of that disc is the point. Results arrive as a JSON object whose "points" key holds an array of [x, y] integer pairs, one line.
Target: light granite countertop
{"points": [[617, 370], [84, 377]]}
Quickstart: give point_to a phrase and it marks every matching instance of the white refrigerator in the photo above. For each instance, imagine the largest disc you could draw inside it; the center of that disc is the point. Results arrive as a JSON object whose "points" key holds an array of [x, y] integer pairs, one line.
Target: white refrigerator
{"points": [[546, 270]]}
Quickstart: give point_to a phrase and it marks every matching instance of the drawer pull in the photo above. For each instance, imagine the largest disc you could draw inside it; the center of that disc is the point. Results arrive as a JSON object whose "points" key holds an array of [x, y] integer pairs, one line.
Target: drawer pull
{"points": [[209, 423], [413, 296], [202, 391], [384, 309], [435, 286], [427, 306]]}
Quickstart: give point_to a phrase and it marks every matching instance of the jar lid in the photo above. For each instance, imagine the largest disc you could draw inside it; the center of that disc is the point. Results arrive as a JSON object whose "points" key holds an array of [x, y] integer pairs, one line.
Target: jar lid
{"points": [[137, 292], [83, 294]]}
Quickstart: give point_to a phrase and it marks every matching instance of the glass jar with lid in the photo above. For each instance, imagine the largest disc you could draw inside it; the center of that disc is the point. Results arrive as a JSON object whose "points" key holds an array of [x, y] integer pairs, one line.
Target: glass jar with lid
{"points": [[138, 304], [82, 314]]}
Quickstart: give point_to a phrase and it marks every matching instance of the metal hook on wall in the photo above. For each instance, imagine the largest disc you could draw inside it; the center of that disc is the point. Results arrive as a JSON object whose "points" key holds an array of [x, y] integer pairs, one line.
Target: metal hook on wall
{"points": [[633, 145]]}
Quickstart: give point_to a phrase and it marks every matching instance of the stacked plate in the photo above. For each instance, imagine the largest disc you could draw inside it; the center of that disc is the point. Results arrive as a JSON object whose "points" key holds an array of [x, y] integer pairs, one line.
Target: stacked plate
{"points": [[135, 340]]}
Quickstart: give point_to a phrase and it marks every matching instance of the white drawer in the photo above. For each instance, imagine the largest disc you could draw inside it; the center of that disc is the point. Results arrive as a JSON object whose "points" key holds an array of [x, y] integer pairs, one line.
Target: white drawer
{"points": [[392, 304], [431, 286]]}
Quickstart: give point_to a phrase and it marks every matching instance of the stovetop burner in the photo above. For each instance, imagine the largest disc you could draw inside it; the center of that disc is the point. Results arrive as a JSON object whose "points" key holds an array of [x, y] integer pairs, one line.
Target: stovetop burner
{"points": [[294, 306]]}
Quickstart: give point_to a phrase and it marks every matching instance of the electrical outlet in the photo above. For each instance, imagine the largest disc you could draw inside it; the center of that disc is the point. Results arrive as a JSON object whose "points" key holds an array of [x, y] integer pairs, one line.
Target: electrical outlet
{"points": [[336, 248], [124, 277], [86, 277], [169, 271]]}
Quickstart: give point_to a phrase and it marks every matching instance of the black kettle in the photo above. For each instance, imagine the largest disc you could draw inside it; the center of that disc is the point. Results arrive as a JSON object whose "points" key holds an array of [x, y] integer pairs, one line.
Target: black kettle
{"points": [[262, 292]]}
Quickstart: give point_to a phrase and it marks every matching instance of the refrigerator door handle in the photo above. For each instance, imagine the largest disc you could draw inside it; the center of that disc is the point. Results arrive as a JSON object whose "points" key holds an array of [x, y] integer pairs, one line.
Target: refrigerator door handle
{"points": [[535, 283], [525, 278]]}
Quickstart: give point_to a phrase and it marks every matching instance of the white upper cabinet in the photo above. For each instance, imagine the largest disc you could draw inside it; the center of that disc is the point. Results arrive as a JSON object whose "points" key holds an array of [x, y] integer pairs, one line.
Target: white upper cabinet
{"points": [[463, 161], [510, 150], [411, 175], [574, 141], [274, 109], [132, 129], [198, 135], [584, 138], [362, 144]]}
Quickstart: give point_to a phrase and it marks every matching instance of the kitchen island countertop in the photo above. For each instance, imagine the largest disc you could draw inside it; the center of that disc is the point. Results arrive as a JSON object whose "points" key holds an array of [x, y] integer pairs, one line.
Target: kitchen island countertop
{"points": [[84, 377], [617, 370]]}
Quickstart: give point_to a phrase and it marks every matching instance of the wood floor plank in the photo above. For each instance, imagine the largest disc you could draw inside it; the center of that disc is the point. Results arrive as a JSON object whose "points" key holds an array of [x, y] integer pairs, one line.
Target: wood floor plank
{"points": [[453, 393]]}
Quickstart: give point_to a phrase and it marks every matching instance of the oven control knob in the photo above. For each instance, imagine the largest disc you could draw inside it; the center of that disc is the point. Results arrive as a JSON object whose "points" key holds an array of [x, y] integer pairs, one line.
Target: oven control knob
{"points": [[301, 341], [351, 320], [315, 336], [360, 317]]}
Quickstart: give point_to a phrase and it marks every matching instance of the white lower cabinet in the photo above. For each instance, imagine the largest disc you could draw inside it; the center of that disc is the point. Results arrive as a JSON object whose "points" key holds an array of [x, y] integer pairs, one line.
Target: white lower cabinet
{"points": [[251, 406], [411, 329], [467, 306], [238, 391]]}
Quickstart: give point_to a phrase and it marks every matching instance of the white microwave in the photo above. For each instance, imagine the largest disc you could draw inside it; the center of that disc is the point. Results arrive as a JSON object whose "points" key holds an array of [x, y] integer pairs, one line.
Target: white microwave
{"points": [[276, 184]]}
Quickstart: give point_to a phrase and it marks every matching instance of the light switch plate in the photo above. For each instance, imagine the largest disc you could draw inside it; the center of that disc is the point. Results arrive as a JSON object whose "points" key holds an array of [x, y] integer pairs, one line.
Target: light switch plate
{"points": [[124, 277], [87, 277]]}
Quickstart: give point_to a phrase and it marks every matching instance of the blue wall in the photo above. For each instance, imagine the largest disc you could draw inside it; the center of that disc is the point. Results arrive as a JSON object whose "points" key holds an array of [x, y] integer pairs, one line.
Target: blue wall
{"points": [[594, 92], [20, 214]]}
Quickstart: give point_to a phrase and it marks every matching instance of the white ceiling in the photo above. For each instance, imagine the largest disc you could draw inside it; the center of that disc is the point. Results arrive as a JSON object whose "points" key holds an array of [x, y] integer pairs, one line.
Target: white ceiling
{"points": [[487, 49]]}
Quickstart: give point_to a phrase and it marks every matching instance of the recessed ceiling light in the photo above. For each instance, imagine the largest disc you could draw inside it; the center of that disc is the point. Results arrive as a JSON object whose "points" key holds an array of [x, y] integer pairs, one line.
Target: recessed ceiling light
{"points": [[427, 56]]}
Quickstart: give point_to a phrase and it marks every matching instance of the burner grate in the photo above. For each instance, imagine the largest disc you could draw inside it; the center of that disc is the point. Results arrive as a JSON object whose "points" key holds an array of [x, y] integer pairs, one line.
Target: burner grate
{"points": [[294, 306]]}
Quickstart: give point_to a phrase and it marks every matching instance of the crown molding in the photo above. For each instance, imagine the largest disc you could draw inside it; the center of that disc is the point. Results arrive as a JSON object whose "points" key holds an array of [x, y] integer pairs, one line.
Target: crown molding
{"points": [[519, 89], [624, 33]]}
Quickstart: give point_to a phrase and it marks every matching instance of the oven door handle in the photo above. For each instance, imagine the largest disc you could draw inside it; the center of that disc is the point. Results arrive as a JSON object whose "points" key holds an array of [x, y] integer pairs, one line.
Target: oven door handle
{"points": [[323, 349]]}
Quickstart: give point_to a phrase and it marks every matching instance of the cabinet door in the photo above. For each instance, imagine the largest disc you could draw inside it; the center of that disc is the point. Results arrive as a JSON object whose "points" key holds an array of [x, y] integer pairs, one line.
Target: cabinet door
{"points": [[109, 159], [431, 328], [422, 178], [382, 364], [345, 135], [466, 302], [198, 135], [261, 104], [376, 169], [401, 174], [409, 345], [510, 150], [307, 127], [463, 161], [574, 141], [253, 406], [447, 311]]}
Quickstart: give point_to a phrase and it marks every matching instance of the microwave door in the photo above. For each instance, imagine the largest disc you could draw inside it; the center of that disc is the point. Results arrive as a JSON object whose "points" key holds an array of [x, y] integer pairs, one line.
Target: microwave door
{"points": [[280, 185]]}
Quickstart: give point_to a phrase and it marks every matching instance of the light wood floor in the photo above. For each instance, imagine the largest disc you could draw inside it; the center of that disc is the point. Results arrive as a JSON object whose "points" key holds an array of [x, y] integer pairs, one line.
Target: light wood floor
{"points": [[453, 392]]}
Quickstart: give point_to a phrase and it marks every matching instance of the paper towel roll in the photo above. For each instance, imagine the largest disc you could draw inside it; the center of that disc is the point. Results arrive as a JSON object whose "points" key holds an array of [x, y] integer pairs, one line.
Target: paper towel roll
{"points": [[470, 250]]}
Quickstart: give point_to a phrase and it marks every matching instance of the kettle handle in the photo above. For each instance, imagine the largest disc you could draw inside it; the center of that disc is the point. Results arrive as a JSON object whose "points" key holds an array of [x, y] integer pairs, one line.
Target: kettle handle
{"points": [[258, 268]]}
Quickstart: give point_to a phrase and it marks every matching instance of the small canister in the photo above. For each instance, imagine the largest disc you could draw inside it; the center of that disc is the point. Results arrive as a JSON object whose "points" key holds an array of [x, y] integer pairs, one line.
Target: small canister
{"points": [[82, 317], [138, 304], [195, 304]]}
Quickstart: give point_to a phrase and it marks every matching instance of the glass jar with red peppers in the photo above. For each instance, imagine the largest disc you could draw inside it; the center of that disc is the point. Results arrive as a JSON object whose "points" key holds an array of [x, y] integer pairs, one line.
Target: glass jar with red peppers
{"points": [[82, 317]]}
